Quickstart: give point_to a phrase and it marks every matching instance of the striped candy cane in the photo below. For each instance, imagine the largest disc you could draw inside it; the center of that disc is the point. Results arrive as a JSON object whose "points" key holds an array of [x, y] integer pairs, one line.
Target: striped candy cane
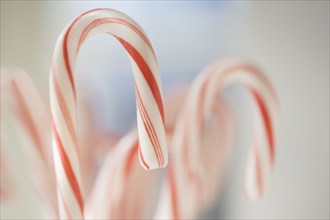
{"points": [[150, 114], [203, 93], [186, 180], [262, 154], [33, 125]]}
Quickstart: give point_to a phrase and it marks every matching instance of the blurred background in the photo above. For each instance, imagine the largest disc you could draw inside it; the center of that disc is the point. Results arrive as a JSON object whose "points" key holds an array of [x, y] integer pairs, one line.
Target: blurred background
{"points": [[289, 40]]}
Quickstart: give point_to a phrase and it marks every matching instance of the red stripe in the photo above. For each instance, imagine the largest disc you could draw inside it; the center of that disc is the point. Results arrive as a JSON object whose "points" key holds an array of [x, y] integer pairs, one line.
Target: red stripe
{"points": [[267, 121], [65, 111], [259, 177], [67, 61], [147, 129], [147, 74], [67, 168], [153, 132]]}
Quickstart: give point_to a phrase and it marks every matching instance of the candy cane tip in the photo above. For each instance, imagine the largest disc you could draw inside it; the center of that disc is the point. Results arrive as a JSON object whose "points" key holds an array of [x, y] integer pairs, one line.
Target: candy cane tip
{"points": [[152, 165]]}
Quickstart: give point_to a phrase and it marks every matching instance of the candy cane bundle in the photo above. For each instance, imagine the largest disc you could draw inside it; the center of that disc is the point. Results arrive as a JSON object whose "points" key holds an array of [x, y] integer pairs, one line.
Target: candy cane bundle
{"points": [[150, 114], [199, 130], [186, 183]]}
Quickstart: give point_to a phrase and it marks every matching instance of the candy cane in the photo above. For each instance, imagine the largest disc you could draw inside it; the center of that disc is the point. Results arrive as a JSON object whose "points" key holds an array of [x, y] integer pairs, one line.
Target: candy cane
{"points": [[31, 122], [216, 141], [262, 155], [150, 114], [204, 92]]}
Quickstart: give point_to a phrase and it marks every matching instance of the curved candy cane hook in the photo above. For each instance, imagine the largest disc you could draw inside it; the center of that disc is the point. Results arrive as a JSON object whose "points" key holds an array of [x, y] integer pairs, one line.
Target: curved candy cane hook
{"points": [[230, 72], [190, 168], [149, 99]]}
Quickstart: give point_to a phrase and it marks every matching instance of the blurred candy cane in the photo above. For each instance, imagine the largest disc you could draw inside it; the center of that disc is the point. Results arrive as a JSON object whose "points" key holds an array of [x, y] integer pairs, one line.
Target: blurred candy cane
{"points": [[199, 105], [33, 126], [5, 176], [95, 143], [262, 155], [199, 194], [173, 104], [150, 114], [217, 136], [123, 190]]}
